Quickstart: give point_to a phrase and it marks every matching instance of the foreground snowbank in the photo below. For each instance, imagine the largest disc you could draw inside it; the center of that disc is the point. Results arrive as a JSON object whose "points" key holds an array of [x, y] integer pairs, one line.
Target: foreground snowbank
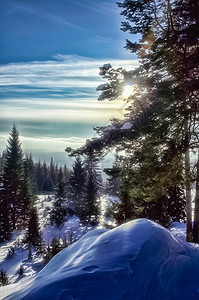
{"points": [[138, 260]]}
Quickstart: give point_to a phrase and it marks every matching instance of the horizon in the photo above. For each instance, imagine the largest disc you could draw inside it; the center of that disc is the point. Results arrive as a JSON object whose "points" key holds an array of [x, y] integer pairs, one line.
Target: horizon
{"points": [[49, 66]]}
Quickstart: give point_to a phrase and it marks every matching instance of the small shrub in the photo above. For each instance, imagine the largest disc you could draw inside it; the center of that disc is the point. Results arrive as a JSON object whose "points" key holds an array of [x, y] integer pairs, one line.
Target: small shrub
{"points": [[21, 271], [3, 278], [11, 252]]}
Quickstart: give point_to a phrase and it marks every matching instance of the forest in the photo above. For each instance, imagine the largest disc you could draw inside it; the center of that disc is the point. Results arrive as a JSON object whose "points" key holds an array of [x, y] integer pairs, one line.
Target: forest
{"points": [[155, 169]]}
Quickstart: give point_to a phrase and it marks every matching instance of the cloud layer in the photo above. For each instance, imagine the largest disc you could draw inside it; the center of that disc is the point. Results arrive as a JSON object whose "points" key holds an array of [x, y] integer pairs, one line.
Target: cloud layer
{"points": [[57, 94]]}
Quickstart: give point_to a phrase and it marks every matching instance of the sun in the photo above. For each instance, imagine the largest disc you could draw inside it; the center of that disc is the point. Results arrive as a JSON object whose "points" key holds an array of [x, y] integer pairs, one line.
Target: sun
{"points": [[128, 91]]}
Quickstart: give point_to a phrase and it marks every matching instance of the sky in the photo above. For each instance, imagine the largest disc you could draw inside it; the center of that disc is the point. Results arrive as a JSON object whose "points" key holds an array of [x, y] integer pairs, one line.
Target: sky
{"points": [[50, 54]]}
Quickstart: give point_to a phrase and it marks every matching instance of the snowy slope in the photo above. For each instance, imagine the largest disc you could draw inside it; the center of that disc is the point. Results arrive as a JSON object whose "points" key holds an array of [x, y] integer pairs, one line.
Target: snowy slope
{"points": [[72, 230], [138, 260]]}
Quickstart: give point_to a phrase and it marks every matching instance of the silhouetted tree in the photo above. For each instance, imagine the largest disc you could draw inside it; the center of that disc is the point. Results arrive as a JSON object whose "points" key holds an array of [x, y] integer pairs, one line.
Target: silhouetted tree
{"points": [[58, 212], [33, 234], [12, 176]]}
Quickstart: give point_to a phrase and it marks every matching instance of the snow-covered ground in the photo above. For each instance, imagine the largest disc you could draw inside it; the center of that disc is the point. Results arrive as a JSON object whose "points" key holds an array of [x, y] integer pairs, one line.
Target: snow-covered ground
{"points": [[15, 254], [137, 260], [11, 264]]}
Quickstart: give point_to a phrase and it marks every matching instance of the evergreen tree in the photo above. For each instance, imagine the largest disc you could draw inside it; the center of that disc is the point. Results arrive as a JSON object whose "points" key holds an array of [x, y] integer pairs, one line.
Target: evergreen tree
{"points": [[12, 177], [52, 249], [53, 173], [167, 209], [28, 191], [126, 209], [164, 104], [90, 213], [38, 176], [55, 247], [66, 174], [47, 179], [5, 225], [1, 163], [114, 180], [163, 109], [58, 212], [33, 234], [169, 47], [3, 278], [77, 186]]}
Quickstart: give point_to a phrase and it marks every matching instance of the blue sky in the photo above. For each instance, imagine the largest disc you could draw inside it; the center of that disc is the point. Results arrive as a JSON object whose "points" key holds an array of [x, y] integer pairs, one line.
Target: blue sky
{"points": [[50, 54]]}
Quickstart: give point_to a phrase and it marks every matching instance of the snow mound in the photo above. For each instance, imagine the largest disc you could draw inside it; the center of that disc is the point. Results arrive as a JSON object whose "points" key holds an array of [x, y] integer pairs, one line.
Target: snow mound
{"points": [[137, 260]]}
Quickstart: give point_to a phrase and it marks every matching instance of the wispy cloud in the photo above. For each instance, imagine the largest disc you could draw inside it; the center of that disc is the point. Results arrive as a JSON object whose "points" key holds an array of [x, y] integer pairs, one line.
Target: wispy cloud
{"points": [[49, 98], [102, 7], [30, 9], [49, 143], [65, 75]]}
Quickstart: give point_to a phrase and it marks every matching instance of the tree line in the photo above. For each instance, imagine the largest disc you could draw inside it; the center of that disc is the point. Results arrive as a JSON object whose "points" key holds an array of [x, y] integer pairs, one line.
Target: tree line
{"points": [[76, 191], [17, 190]]}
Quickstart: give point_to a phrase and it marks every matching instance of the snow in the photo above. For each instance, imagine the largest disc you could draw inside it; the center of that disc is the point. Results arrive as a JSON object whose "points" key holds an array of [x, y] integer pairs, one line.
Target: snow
{"points": [[179, 230], [102, 87], [107, 66], [72, 230], [19, 257], [126, 126], [71, 227], [110, 127], [137, 260]]}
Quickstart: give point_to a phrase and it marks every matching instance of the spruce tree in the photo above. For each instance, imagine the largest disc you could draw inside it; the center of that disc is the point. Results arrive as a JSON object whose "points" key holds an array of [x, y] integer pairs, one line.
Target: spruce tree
{"points": [[47, 179], [58, 212], [93, 188], [113, 181], [77, 186], [12, 176], [4, 280], [38, 176], [5, 224], [1, 164], [33, 233], [53, 173], [169, 48], [28, 191]]}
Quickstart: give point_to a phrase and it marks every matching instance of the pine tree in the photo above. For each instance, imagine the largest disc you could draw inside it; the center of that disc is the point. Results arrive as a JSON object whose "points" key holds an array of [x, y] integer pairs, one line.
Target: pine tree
{"points": [[77, 186], [1, 164], [90, 213], [58, 212], [47, 179], [12, 176], [173, 54], [114, 180], [38, 176], [3, 278], [55, 247], [66, 174], [5, 225], [28, 191], [165, 99], [33, 234], [53, 173]]}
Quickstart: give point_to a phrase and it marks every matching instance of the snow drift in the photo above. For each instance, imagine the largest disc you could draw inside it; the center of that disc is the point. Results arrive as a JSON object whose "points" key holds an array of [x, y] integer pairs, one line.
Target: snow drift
{"points": [[137, 260]]}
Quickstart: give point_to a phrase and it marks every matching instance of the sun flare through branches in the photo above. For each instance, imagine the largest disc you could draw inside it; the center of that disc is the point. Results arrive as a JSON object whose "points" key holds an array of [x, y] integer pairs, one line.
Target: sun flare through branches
{"points": [[128, 91]]}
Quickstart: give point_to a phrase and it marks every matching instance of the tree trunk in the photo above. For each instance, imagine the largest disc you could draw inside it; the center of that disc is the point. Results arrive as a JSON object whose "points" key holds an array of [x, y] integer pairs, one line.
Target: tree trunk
{"points": [[196, 210], [189, 235], [188, 197]]}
